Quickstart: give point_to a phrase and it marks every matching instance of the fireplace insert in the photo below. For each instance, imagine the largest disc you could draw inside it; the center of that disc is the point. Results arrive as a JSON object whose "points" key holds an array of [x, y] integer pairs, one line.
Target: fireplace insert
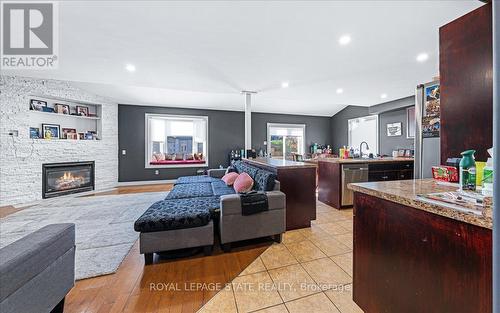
{"points": [[65, 178]]}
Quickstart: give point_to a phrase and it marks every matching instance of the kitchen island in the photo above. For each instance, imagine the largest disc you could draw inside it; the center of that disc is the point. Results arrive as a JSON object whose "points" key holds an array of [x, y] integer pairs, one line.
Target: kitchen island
{"points": [[414, 256], [334, 174], [298, 183]]}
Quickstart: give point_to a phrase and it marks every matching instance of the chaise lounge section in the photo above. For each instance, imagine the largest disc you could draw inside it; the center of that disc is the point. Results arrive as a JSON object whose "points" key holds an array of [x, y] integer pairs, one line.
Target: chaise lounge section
{"points": [[185, 219]]}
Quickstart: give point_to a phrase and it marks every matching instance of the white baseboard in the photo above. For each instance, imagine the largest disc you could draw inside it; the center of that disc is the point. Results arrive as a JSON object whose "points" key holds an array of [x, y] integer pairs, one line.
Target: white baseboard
{"points": [[146, 182]]}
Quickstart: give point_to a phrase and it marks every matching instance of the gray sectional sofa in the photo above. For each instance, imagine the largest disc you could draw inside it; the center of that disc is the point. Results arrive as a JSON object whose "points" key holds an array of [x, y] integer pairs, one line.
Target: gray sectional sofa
{"points": [[37, 271], [189, 215]]}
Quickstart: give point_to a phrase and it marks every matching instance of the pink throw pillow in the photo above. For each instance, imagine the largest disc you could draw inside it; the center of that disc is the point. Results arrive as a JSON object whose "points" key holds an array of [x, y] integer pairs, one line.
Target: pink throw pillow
{"points": [[243, 183], [229, 178], [158, 157]]}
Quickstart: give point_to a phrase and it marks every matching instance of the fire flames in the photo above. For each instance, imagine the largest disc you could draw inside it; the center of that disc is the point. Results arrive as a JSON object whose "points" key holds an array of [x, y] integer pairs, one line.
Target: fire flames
{"points": [[69, 181]]}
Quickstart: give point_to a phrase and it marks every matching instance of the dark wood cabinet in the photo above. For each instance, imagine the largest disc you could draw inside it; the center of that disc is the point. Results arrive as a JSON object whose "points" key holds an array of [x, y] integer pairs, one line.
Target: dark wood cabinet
{"points": [[298, 183], [413, 261], [465, 68], [329, 183]]}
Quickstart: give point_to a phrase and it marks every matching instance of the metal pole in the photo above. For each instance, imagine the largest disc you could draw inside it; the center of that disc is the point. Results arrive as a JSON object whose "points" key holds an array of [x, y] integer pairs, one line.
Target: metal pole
{"points": [[496, 155]]}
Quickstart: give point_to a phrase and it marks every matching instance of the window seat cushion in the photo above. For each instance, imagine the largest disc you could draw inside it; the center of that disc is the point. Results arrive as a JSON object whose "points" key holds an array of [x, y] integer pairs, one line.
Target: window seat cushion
{"points": [[177, 162]]}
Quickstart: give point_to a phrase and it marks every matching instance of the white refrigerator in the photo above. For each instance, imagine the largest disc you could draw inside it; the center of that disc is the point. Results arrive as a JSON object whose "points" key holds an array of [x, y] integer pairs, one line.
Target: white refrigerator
{"points": [[427, 127]]}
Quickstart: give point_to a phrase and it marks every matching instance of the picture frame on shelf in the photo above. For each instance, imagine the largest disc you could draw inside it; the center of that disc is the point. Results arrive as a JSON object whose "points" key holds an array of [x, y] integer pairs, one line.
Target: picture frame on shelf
{"points": [[94, 134], [82, 110], [62, 108], [37, 105], [48, 110], [67, 131], [34, 133], [72, 136], [89, 136], [81, 136], [51, 131]]}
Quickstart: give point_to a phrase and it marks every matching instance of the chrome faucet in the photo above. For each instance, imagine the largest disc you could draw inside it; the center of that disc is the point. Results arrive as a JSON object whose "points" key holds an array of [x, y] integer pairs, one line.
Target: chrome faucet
{"points": [[361, 148]]}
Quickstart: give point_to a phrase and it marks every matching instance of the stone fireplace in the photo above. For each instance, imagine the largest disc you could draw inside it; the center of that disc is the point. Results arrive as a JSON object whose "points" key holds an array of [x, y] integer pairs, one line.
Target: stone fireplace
{"points": [[66, 178]]}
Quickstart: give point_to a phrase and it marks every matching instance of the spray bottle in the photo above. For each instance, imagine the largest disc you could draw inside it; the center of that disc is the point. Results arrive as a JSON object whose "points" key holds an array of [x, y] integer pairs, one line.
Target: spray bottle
{"points": [[468, 171]]}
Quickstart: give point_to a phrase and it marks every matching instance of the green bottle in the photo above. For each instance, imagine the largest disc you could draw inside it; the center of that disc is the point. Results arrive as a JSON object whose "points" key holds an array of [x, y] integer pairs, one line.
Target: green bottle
{"points": [[468, 170]]}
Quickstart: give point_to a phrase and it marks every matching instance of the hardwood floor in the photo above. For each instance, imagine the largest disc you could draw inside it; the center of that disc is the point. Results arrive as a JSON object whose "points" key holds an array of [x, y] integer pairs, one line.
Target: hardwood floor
{"points": [[138, 288], [134, 189]]}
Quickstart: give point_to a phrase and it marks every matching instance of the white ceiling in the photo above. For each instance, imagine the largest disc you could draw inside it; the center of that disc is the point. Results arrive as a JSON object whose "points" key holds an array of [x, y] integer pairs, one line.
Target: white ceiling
{"points": [[201, 54]]}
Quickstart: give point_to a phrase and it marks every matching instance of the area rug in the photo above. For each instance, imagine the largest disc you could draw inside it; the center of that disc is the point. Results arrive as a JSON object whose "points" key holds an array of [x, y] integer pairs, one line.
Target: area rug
{"points": [[104, 227]]}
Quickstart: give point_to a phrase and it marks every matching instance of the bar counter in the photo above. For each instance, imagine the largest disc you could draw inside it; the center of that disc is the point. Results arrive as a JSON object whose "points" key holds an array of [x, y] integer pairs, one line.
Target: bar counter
{"points": [[406, 192], [412, 256], [278, 163], [298, 183], [365, 160]]}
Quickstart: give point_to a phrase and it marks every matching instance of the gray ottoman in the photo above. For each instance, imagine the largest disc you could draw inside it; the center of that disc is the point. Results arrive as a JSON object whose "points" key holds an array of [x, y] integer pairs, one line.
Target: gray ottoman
{"points": [[177, 224]]}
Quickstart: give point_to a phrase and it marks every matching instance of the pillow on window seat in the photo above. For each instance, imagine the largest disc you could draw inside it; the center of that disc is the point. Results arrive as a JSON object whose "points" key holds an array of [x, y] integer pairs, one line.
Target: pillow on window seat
{"points": [[179, 156], [169, 156], [189, 157], [158, 156]]}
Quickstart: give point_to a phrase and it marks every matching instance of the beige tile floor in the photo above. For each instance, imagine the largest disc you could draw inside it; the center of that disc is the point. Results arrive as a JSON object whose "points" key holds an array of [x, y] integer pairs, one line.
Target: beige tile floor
{"points": [[310, 271]]}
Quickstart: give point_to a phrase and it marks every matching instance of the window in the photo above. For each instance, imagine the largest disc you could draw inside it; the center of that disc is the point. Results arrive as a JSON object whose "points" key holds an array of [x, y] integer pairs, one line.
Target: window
{"points": [[364, 129], [410, 122], [284, 140], [176, 141]]}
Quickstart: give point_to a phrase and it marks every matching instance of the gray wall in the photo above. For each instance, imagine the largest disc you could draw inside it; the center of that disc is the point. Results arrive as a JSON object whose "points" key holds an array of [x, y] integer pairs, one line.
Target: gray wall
{"points": [[339, 125], [225, 132], [387, 144], [317, 128], [389, 112]]}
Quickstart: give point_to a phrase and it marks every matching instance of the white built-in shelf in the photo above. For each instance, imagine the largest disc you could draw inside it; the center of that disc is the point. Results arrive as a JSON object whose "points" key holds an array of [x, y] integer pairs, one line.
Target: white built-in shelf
{"points": [[66, 115], [81, 124]]}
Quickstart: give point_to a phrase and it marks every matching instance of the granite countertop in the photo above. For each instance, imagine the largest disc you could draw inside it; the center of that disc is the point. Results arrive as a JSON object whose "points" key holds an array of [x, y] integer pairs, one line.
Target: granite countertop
{"points": [[279, 163], [377, 160], [405, 192]]}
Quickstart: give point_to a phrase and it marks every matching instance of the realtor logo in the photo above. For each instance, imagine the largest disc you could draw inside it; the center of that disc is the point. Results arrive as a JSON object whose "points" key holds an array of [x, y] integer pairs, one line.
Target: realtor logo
{"points": [[29, 35]]}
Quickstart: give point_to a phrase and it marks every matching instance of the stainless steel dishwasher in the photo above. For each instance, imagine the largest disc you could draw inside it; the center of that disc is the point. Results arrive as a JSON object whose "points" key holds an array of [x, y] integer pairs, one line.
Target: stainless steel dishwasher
{"points": [[352, 173]]}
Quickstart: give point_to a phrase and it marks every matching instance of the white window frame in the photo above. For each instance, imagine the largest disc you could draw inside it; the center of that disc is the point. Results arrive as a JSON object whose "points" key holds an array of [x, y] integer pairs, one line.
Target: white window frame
{"points": [[349, 140], [284, 125], [147, 141]]}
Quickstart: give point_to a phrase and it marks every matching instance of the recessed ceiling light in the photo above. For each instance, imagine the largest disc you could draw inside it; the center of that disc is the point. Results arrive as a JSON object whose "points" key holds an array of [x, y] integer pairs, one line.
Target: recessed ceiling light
{"points": [[340, 90], [285, 85], [344, 40], [130, 67], [422, 57], [383, 96]]}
